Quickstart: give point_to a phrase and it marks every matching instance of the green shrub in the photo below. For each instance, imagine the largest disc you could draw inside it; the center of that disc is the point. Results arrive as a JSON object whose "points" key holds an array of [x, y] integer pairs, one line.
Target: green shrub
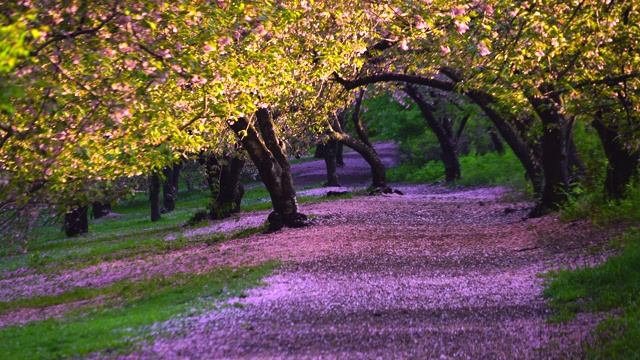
{"points": [[596, 206], [488, 169]]}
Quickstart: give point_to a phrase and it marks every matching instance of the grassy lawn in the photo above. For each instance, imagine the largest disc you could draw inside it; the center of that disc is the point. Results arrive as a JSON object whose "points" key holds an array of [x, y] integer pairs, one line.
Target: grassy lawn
{"points": [[118, 317], [612, 286], [127, 316]]}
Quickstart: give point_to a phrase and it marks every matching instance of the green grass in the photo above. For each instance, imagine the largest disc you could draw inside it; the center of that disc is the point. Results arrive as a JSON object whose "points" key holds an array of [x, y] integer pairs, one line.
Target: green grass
{"points": [[128, 234], [612, 286], [490, 169], [118, 329], [117, 317]]}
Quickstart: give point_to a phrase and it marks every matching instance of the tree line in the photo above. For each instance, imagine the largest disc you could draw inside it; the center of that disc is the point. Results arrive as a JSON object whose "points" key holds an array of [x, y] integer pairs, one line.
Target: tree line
{"points": [[93, 92]]}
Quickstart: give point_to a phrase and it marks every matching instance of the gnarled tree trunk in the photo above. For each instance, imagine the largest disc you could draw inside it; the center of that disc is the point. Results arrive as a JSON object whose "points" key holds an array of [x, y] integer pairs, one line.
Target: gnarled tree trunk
{"points": [[524, 153], [445, 139], [330, 159], [623, 165], [224, 181], [555, 160], [378, 170], [368, 153], [270, 158], [496, 141]]}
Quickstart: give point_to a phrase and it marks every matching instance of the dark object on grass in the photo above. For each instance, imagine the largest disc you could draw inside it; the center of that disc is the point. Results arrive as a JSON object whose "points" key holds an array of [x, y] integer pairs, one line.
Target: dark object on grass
{"points": [[76, 221], [336, 193], [384, 190]]}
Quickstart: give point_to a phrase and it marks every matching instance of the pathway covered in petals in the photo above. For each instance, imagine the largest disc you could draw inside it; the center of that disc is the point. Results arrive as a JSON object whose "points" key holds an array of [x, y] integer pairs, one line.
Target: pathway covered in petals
{"points": [[431, 274], [439, 272]]}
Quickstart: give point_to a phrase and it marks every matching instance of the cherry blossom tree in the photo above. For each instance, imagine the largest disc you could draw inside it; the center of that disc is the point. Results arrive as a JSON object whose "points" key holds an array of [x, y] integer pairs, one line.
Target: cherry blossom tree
{"points": [[534, 68]]}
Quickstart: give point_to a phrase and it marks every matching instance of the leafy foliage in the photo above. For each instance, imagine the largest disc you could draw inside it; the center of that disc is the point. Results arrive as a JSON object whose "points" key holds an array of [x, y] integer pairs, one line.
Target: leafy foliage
{"points": [[598, 207], [488, 169]]}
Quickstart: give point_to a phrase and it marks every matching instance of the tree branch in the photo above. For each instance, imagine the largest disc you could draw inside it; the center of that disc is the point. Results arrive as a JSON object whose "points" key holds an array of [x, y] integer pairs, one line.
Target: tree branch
{"points": [[610, 81], [76, 33], [390, 77]]}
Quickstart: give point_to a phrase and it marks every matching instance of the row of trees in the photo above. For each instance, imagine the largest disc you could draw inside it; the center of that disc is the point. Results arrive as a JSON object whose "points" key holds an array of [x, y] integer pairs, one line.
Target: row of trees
{"points": [[94, 91]]}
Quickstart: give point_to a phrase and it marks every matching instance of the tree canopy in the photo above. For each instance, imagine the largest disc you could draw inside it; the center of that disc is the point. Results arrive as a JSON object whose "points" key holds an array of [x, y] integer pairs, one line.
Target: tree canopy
{"points": [[93, 91]]}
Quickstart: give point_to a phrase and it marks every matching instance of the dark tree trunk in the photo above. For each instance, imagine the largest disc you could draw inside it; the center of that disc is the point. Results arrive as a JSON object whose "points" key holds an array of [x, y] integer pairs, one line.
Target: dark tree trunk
{"points": [[355, 119], [76, 221], [362, 147], [170, 187], [339, 155], [555, 160], [100, 209], [623, 165], [445, 137], [319, 154], [226, 189], [269, 156], [524, 153], [154, 196], [330, 154], [495, 140], [378, 170], [577, 169]]}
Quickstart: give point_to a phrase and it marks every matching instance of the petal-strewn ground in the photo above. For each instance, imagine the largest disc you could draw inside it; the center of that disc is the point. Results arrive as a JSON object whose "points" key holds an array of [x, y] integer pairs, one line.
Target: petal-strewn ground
{"points": [[435, 273], [424, 275]]}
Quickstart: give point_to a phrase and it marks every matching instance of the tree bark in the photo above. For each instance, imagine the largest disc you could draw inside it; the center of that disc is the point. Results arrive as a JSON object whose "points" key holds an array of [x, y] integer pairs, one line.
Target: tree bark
{"points": [[319, 154], [76, 221], [378, 170], [269, 156], [524, 153], [555, 162], [339, 154], [226, 189], [154, 196], [100, 209], [496, 141], [170, 187], [355, 119], [445, 137], [623, 165], [368, 153], [330, 160]]}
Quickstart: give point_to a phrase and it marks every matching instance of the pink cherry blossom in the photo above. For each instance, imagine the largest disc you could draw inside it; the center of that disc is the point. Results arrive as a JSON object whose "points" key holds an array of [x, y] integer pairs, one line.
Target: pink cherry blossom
{"points": [[458, 10], [462, 27], [483, 50], [207, 48]]}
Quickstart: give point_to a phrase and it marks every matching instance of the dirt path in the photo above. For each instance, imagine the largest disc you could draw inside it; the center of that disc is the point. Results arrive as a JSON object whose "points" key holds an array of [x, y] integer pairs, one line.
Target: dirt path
{"points": [[436, 273], [355, 172]]}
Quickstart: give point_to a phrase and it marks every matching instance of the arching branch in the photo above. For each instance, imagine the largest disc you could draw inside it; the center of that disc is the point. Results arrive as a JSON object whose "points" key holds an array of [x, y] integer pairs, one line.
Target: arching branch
{"points": [[393, 77]]}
